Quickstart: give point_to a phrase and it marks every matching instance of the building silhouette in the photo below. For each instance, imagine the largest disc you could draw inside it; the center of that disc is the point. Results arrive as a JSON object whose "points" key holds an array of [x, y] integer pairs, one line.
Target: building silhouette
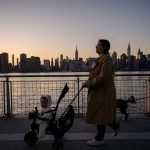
{"points": [[129, 50], [23, 62], [4, 66], [114, 58], [47, 65], [13, 64], [52, 63], [32, 64], [76, 54], [57, 64]]}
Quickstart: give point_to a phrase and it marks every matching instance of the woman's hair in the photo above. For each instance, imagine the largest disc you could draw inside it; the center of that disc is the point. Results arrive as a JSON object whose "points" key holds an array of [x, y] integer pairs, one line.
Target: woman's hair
{"points": [[105, 44]]}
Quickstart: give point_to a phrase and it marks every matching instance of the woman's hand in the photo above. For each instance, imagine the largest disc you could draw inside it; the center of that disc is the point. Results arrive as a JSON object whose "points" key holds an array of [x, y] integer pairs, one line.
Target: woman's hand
{"points": [[84, 84]]}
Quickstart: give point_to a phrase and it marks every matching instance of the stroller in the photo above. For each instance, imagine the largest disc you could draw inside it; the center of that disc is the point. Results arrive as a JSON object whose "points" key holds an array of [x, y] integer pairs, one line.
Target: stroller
{"points": [[56, 127]]}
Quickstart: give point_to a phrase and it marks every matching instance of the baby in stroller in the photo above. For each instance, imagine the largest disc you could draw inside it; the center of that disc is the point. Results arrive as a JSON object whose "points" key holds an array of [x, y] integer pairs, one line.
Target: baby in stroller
{"points": [[46, 112], [40, 120]]}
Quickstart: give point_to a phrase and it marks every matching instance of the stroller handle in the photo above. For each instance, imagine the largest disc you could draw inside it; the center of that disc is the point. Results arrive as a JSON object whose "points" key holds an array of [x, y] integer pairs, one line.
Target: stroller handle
{"points": [[63, 93], [76, 95], [71, 102]]}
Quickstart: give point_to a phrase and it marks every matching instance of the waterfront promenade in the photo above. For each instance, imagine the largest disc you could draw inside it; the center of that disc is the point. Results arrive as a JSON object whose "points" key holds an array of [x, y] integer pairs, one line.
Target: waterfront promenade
{"points": [[134, 135]]}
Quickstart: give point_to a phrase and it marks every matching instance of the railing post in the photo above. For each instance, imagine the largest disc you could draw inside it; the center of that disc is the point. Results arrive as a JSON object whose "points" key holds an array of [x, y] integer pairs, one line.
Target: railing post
{"points": [[8, 98], [148, 98], [78, 80], [4, 97]]}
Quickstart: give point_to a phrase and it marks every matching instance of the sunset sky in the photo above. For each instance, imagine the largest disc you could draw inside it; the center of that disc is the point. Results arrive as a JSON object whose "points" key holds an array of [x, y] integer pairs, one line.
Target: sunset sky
{"points": [[48, 28]]}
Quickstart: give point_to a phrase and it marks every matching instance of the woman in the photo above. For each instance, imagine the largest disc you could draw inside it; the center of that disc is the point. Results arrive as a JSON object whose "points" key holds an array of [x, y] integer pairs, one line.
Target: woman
{"points": [[101, 101]]}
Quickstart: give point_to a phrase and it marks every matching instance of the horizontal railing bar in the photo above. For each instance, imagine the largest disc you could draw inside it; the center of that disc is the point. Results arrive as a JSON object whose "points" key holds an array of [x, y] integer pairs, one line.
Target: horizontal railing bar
{"points": [[44, 76], [56, 75]]}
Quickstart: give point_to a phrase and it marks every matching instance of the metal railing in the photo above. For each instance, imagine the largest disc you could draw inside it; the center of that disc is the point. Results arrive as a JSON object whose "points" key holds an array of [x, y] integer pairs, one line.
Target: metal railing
{"points": [[19, 94]]}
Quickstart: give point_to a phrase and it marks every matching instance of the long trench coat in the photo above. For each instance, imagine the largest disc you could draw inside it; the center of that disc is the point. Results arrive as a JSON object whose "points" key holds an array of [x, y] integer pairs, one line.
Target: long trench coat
{"points": [[101, 100]]}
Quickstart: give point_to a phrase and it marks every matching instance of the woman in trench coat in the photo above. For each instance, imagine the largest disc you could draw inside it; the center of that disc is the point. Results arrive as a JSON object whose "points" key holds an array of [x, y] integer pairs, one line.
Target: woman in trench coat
{"points": [[101, 101]]}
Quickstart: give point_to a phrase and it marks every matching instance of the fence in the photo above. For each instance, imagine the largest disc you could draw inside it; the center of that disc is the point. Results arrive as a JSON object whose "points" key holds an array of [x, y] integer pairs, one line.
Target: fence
{"points": [[20, 94]]}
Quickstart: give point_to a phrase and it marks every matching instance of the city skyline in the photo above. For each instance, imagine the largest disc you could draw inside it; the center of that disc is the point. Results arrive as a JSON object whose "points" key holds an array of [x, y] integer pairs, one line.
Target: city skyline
{"points": [[126, 62], [77, 55], [50, 28]]}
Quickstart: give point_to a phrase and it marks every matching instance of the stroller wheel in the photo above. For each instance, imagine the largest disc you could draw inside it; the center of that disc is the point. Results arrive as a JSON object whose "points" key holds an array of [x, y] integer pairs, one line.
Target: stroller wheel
{"points": [[57, 145], [30, 138]]}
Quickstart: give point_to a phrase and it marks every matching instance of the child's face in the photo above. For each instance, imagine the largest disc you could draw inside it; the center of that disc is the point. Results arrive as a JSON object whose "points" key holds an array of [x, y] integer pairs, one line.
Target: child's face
{"points": [[44, 103]]}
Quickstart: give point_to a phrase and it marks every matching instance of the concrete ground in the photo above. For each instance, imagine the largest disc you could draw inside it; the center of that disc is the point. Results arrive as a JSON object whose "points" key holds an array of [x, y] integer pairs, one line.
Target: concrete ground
{"points": [[134, 134]]}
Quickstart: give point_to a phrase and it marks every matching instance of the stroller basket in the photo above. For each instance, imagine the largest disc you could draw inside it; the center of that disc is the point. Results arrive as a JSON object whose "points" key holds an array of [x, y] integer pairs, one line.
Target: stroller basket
{"points": [[59, 127]]}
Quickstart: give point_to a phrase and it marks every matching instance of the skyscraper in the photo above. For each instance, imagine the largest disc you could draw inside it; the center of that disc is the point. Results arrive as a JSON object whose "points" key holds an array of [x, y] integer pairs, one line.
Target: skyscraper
{"points": [[76, 54], [4, 62], [129, 57], [52, 63], [129, 50], [23, 62], [61, 60], [114, 57], [17, 61], [61, 57], [139, 54], [13, 60]]}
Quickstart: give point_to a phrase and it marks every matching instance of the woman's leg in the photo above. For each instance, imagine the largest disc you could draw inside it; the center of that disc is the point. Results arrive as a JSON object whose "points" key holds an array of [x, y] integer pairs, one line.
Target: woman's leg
{"points": [[101, 131], [99, 139], [115, 126]]}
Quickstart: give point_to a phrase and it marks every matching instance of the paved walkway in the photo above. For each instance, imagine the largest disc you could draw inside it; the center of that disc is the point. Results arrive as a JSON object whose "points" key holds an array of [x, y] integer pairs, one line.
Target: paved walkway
{"points": [[134, 135]]}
